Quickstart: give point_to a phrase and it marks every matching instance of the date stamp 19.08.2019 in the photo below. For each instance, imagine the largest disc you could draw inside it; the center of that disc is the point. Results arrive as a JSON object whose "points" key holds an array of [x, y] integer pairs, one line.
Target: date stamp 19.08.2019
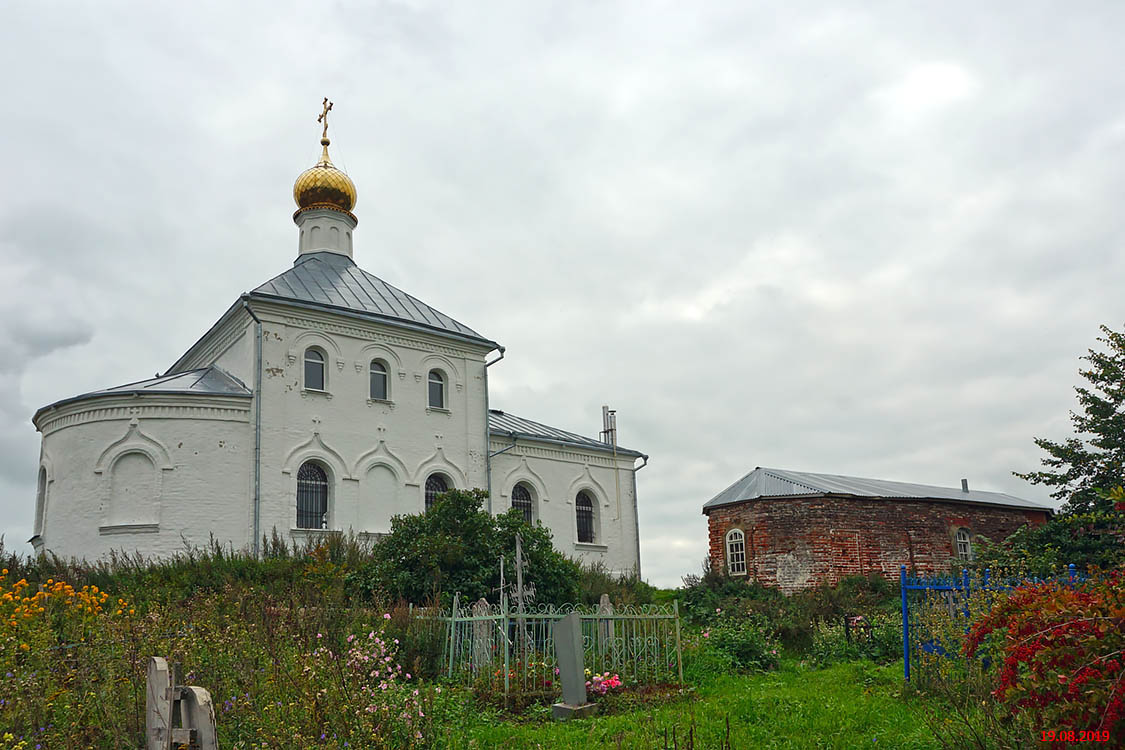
{"points": [[1075, 735]]}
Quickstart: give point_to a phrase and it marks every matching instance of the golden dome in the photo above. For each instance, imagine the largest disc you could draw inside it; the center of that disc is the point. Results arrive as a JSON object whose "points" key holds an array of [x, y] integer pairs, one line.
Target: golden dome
{"points": [[324, 186]]}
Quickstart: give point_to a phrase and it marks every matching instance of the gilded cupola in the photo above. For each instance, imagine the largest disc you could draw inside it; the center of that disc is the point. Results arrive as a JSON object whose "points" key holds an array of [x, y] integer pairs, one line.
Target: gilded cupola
{"points": [[323, 185]]}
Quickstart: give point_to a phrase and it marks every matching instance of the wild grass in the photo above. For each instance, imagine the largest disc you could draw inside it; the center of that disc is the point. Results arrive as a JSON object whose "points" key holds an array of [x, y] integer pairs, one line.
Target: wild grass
{"points": [[844, 706]]}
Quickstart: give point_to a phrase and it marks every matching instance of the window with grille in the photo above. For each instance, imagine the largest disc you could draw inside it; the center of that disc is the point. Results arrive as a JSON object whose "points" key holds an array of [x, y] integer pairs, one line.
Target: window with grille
{"points": [[521, 500], [584, 509], [378, 380], [437, 390], [964, 545], [312, 497], [314, 370], [736, 552], [435, 485]]}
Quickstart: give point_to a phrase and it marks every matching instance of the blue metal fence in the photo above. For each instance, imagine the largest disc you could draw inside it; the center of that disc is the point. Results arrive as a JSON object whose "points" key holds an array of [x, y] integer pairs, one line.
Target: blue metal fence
{"points": [[957, 585]]}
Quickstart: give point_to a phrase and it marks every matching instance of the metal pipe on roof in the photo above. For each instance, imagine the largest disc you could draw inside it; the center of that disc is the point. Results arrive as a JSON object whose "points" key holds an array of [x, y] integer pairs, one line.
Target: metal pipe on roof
{"points": [[257, 423]]}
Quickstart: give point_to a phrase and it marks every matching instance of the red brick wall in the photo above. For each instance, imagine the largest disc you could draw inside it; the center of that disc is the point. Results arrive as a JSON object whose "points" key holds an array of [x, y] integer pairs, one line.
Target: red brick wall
{"points": [[796, 543]]}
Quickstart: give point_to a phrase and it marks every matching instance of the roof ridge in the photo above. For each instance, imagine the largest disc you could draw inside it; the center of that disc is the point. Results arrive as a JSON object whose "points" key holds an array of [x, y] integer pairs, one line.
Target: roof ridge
{"points": [[780, 474]]}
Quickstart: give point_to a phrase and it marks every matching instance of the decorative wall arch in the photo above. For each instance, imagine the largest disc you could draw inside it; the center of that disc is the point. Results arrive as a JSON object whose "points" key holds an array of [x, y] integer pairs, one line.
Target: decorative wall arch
{"points": [[305, 339], [134, 440], [115, 518], [438, 462], [522, 472], [316, 448], [379, 351], [446, 365], [586, 481], [381, 454]]}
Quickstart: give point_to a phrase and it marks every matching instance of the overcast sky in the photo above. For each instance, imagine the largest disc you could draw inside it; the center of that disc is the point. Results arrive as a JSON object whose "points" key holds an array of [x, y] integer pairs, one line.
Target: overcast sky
{"points": [[869, 240]]}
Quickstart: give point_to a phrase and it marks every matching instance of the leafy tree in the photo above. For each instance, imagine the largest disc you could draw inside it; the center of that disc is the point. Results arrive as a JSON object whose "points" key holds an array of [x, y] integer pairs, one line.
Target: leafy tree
{"points": [[456, 547], [1095, 457]]}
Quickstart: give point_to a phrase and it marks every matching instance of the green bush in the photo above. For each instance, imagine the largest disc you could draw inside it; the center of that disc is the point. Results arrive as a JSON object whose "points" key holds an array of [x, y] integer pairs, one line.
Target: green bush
{"points": [[791, 619], [748, 641], [455, 547], [626, 589]]}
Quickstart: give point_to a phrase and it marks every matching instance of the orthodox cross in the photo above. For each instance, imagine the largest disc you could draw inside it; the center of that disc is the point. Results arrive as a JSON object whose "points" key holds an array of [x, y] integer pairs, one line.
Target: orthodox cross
{"points": [[324, 116]]}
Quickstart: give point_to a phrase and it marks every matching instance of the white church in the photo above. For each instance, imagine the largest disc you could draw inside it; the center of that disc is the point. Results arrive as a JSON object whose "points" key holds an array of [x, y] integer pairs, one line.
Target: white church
{"points": [[323, 401]]}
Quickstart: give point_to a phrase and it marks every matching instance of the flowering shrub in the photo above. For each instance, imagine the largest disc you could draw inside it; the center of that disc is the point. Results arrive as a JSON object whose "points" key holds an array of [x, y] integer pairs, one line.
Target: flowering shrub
{"points": [[600, 684], [1061, 652], [367, 681]]}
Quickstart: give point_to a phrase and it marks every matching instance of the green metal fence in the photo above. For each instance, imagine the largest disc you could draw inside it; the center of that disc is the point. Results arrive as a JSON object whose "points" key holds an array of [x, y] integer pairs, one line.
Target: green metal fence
{"points": [[498, 649]]}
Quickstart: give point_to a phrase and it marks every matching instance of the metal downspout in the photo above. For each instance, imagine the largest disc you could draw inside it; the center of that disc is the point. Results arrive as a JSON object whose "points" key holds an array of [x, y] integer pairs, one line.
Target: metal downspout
{"points": [[487, 457], [257, 427], [636, 515]]}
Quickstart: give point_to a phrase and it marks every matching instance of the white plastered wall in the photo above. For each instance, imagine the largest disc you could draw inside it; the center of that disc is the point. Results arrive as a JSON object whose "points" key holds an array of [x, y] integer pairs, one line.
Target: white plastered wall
{"points": [[555, 475], [377, 453], [187, 459]]}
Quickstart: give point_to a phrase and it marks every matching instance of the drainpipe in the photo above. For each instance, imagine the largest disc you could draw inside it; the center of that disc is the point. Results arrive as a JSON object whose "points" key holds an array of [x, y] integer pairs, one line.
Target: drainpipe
{"points": [[488, 458], [636, 515], [257, 425]]}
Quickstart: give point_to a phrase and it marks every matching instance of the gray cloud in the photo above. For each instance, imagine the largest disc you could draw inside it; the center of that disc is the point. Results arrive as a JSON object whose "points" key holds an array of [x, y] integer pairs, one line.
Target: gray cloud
{"points": [[869, 240]]}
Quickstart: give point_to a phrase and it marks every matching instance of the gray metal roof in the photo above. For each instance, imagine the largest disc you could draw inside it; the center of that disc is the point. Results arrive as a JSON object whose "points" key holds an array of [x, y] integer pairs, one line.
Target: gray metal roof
{"points": [[762, 482], [334, 281], [509, 425], [209, 381]]}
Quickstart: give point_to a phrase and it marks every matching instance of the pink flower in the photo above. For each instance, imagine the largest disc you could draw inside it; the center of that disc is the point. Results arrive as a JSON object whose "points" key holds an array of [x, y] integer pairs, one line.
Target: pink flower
{"points": [[706, 634], [386, 616]]}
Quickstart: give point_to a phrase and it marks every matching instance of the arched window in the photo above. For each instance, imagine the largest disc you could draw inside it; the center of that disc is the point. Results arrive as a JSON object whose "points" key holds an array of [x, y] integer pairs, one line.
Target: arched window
{"points": [[521, 499], [437, 390], [584, 510], [312, 497], [314, 370], [435, 485], [964, 545], [41, 500], [378, 380], [736, 552]]}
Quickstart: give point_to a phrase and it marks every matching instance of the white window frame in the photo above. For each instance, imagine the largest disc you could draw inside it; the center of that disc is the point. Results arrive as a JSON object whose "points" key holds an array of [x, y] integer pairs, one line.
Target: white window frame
{"points": [[735, 549], [442, 379], [963, 544], [323, 369], [386, 380]]}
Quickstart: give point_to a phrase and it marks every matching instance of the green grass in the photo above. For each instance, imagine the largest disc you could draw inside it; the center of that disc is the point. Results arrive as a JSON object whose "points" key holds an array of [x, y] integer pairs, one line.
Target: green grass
{"points": [[844, 706]]}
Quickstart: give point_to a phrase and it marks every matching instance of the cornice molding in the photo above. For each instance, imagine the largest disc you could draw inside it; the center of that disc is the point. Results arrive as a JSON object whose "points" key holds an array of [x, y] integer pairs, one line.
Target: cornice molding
{"points": [[113, 408]]}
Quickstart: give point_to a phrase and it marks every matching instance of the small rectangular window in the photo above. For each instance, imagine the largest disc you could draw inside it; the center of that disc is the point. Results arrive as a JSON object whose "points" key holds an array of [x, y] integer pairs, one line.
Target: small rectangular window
{"points": [[378, 385], [437, 394]]}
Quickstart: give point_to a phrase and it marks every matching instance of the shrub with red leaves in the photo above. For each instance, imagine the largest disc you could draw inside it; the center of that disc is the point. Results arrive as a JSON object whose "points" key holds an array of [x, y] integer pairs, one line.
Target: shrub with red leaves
{"points": [[1062, 653]]}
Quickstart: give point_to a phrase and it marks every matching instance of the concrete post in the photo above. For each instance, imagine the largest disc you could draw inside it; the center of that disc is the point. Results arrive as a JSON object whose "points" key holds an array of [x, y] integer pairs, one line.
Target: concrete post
{"points": [[567, 634]]}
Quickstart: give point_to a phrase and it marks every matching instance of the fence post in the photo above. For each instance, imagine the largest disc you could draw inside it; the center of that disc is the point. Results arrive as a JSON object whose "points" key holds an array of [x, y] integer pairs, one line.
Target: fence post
{"points": [[965, 590], [905, 625], [1072, 573], [679, 652], [452, 632], [158, 705], [507, 644]]}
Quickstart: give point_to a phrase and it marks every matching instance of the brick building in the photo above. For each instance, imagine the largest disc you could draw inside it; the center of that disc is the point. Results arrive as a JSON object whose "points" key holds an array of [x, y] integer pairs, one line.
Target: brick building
{"points": [[796, 529]]}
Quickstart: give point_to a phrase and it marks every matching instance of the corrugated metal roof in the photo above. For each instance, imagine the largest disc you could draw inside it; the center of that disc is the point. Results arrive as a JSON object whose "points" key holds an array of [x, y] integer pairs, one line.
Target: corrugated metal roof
{"points": [[762, 482], [213, 381], [505, 424], [335, 281]]}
